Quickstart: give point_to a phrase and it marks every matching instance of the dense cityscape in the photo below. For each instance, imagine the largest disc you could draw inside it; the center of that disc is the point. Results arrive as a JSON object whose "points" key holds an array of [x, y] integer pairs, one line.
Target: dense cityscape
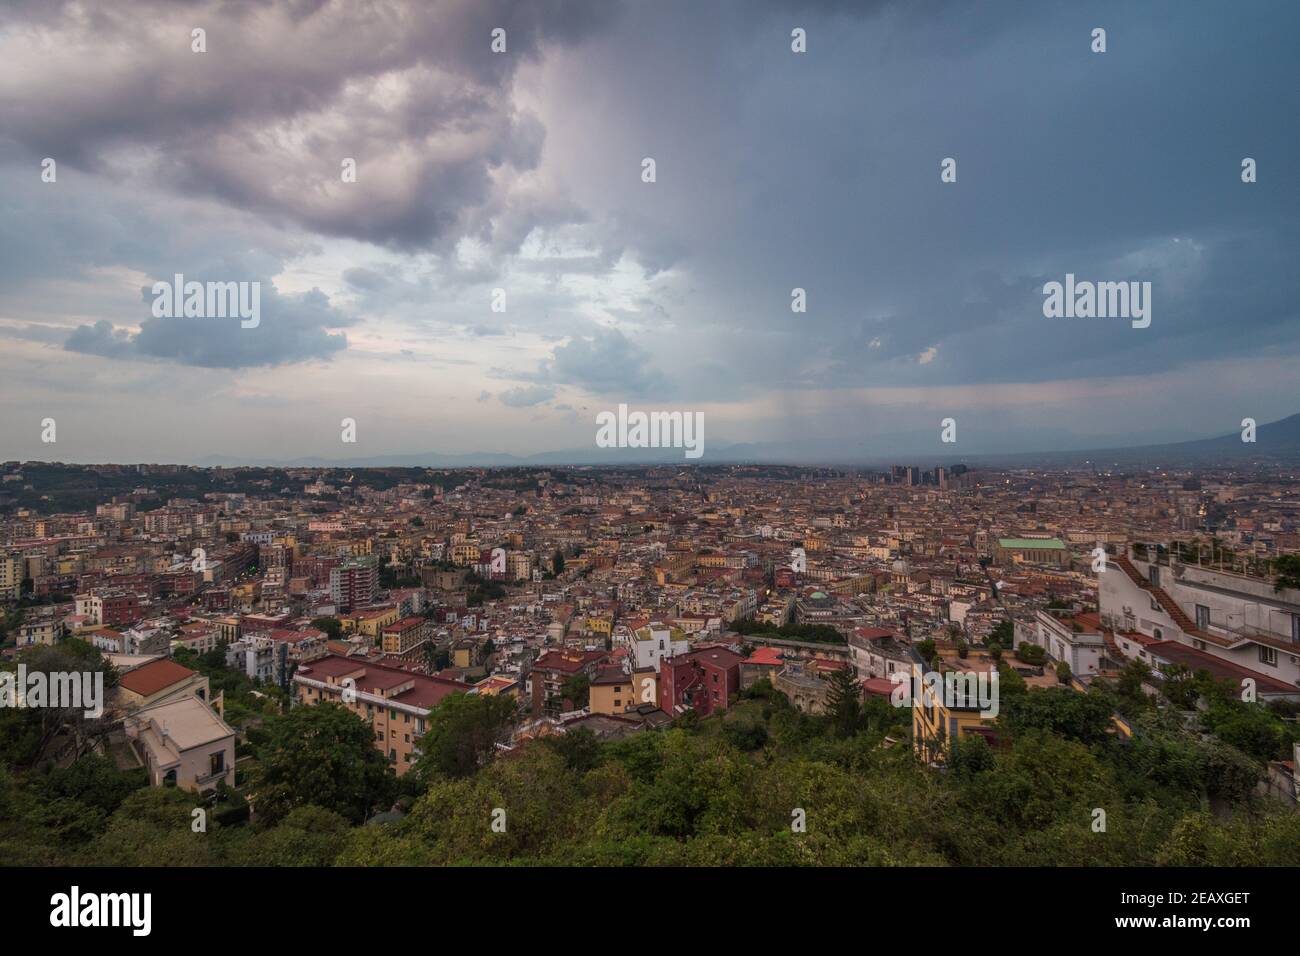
{"points": [[603, 451], [709, 664]]}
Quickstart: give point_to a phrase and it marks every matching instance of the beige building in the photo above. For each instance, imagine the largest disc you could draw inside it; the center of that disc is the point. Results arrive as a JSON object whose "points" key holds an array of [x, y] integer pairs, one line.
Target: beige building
{"points": [[11, 577], [183, 743], [159, 681]]}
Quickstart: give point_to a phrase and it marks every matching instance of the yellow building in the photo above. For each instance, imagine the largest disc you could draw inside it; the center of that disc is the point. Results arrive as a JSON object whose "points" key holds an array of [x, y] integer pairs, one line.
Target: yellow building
{"points": [[465, 554], [601, 625], [614, 691], [11, 577], [944, 710], [370, 622], [611, 692], [464, 653]]}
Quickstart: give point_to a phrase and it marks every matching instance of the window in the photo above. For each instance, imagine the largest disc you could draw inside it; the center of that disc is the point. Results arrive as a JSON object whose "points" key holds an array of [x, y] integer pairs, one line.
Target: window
{"points": [[218, 762], [1268, 655], [1202, 616]]}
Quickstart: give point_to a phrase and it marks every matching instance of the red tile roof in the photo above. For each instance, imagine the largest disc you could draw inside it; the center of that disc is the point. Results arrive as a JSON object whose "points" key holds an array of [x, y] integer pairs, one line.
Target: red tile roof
{"points": [[148, 679], [1176, 652]]}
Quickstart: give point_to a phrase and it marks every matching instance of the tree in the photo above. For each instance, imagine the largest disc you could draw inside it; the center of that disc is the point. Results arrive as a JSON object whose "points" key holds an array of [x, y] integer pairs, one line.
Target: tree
{"points": [[462, 733], [1128, 686], [31, 735], [1180, 687], [1063, 712], [557, 561], [308, 836], [745, 735], [153, 827], [323, 755], [843, 702], [1003, 634], [1252, 729], [580, 748], [1031, 654], [1287, 569], [331, 626], [576, 689]]}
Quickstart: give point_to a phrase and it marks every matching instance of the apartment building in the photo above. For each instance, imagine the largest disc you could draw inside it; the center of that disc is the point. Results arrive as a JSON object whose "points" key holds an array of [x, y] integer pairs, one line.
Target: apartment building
{"points": [[395, 703], [404, 637], [11, 577], [1075, 639], [876, 652], [1235, 617], [1032, 551], [545, 682], [354, 583], [650, 644], [703, 680]]}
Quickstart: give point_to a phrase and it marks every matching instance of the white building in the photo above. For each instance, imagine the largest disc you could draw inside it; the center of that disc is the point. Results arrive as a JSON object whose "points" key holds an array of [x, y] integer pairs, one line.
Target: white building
{"points": [[1233, 617], [1083, 649], [652, 643]]}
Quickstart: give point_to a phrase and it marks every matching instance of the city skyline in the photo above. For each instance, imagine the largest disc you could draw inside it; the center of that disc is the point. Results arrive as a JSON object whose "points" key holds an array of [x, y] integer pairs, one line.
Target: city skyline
{"points": [[522, 171]]}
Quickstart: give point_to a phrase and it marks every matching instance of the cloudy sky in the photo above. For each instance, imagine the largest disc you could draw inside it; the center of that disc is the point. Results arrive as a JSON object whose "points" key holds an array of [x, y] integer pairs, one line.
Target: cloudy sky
{"points": [[522, 171]]}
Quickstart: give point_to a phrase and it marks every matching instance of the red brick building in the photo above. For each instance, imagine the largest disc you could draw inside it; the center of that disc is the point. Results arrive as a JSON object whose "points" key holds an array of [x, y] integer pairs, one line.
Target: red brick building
{"points": [[703, 680]]}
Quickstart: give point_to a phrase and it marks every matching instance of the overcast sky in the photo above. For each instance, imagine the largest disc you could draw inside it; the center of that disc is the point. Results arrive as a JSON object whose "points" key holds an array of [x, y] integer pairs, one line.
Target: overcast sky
{"points": [[523, 171]]}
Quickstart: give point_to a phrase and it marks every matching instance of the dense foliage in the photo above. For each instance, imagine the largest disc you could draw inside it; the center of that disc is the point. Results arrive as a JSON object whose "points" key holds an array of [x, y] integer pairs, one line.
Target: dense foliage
{"points": [[719, 791]]}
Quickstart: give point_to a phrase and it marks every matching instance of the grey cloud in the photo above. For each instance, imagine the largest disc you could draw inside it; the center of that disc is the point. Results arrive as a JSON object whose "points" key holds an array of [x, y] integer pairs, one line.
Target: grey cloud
{"points": [[262, 120], [525, 396], [607, 362], [293, 328]]}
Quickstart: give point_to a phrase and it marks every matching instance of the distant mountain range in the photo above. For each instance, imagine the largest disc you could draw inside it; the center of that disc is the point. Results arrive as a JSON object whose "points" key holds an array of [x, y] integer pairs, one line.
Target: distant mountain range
{"points": [[1276, 441]]}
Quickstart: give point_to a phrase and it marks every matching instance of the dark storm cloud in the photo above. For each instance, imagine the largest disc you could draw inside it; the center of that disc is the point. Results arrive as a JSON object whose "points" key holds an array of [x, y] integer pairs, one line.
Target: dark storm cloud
{"points": [[775, 170], [284, 93], [821, 171]]}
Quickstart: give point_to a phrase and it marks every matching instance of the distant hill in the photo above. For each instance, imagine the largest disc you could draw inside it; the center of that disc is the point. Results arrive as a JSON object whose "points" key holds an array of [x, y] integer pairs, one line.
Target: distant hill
{"points": [[1276, 441]]}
